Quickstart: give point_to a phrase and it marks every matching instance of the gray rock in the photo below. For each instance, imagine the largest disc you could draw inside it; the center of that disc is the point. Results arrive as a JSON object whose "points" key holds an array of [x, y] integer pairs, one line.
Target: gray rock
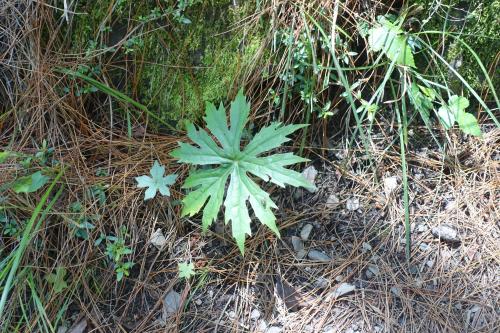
{"points": [[274, 329], [421, 228], [318, 256], [366, 247], [262, 326], [321, 282], [343, 289], [306, 231], [79, 327], [423, 247], [332, 201], [255, 314], [302, 254], [452, 205], [352, 204], [158, 239], [446, 233], [171, 304], [390, 184], [372, 271], [297, 244], [396, 291], [310, 174]]}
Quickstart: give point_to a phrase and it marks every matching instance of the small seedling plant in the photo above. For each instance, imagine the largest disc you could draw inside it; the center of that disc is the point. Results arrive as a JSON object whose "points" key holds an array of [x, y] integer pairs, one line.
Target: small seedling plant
{"points": [[158, 182], [116, 251], [186, 270], [239, 166]]}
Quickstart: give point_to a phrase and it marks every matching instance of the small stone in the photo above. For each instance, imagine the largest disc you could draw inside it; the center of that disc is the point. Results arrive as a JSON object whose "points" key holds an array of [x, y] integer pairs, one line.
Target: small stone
{"points": [[318, 256], [79, 327], [421, 228], [274, 329], [475, 308], [377, 328], [413, 269], [423, 247], [262, 326], [343, 289], [306, 231], [171, 304], [390, 184], [158, 239], [352, 204], [232, 314], [302, 254], [255, 314], [373, 270], [446, 233], [310, 174], [366, 247], [430, 263], [339, 278], [321, 282], [332, 201], [62, 329], [297, 244], [198, 302], [396, 291], [219, 227], [452, 205]]}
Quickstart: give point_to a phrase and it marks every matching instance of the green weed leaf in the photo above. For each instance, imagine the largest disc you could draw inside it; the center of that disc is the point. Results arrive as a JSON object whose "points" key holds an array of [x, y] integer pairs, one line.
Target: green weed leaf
{"points": [[468, 124], [422, 97], [389, 39], [31, 183], [157, 181], [4, 155], [236, 165], [57, 280], [186, 270], [455, 111]]}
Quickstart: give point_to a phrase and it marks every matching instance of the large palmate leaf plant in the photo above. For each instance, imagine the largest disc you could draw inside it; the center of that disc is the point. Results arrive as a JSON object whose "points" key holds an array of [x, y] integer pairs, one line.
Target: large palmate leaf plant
{"points": [[238, 165]]}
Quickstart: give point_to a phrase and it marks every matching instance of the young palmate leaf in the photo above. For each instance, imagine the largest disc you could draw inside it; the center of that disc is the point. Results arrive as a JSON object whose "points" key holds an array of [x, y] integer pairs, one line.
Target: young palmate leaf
{"points": [[455, 111], [57, 280], [157, 181], [236, 165], [186, 270], [389, 39]]}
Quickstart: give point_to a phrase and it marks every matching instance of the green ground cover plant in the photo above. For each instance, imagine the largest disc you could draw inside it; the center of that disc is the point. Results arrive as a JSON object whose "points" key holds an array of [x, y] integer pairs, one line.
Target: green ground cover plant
{"points": [[236, 164]]}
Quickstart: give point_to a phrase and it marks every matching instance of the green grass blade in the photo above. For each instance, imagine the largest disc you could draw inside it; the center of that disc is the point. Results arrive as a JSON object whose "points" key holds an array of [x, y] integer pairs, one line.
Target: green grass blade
{"points": [[26, 237]]}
